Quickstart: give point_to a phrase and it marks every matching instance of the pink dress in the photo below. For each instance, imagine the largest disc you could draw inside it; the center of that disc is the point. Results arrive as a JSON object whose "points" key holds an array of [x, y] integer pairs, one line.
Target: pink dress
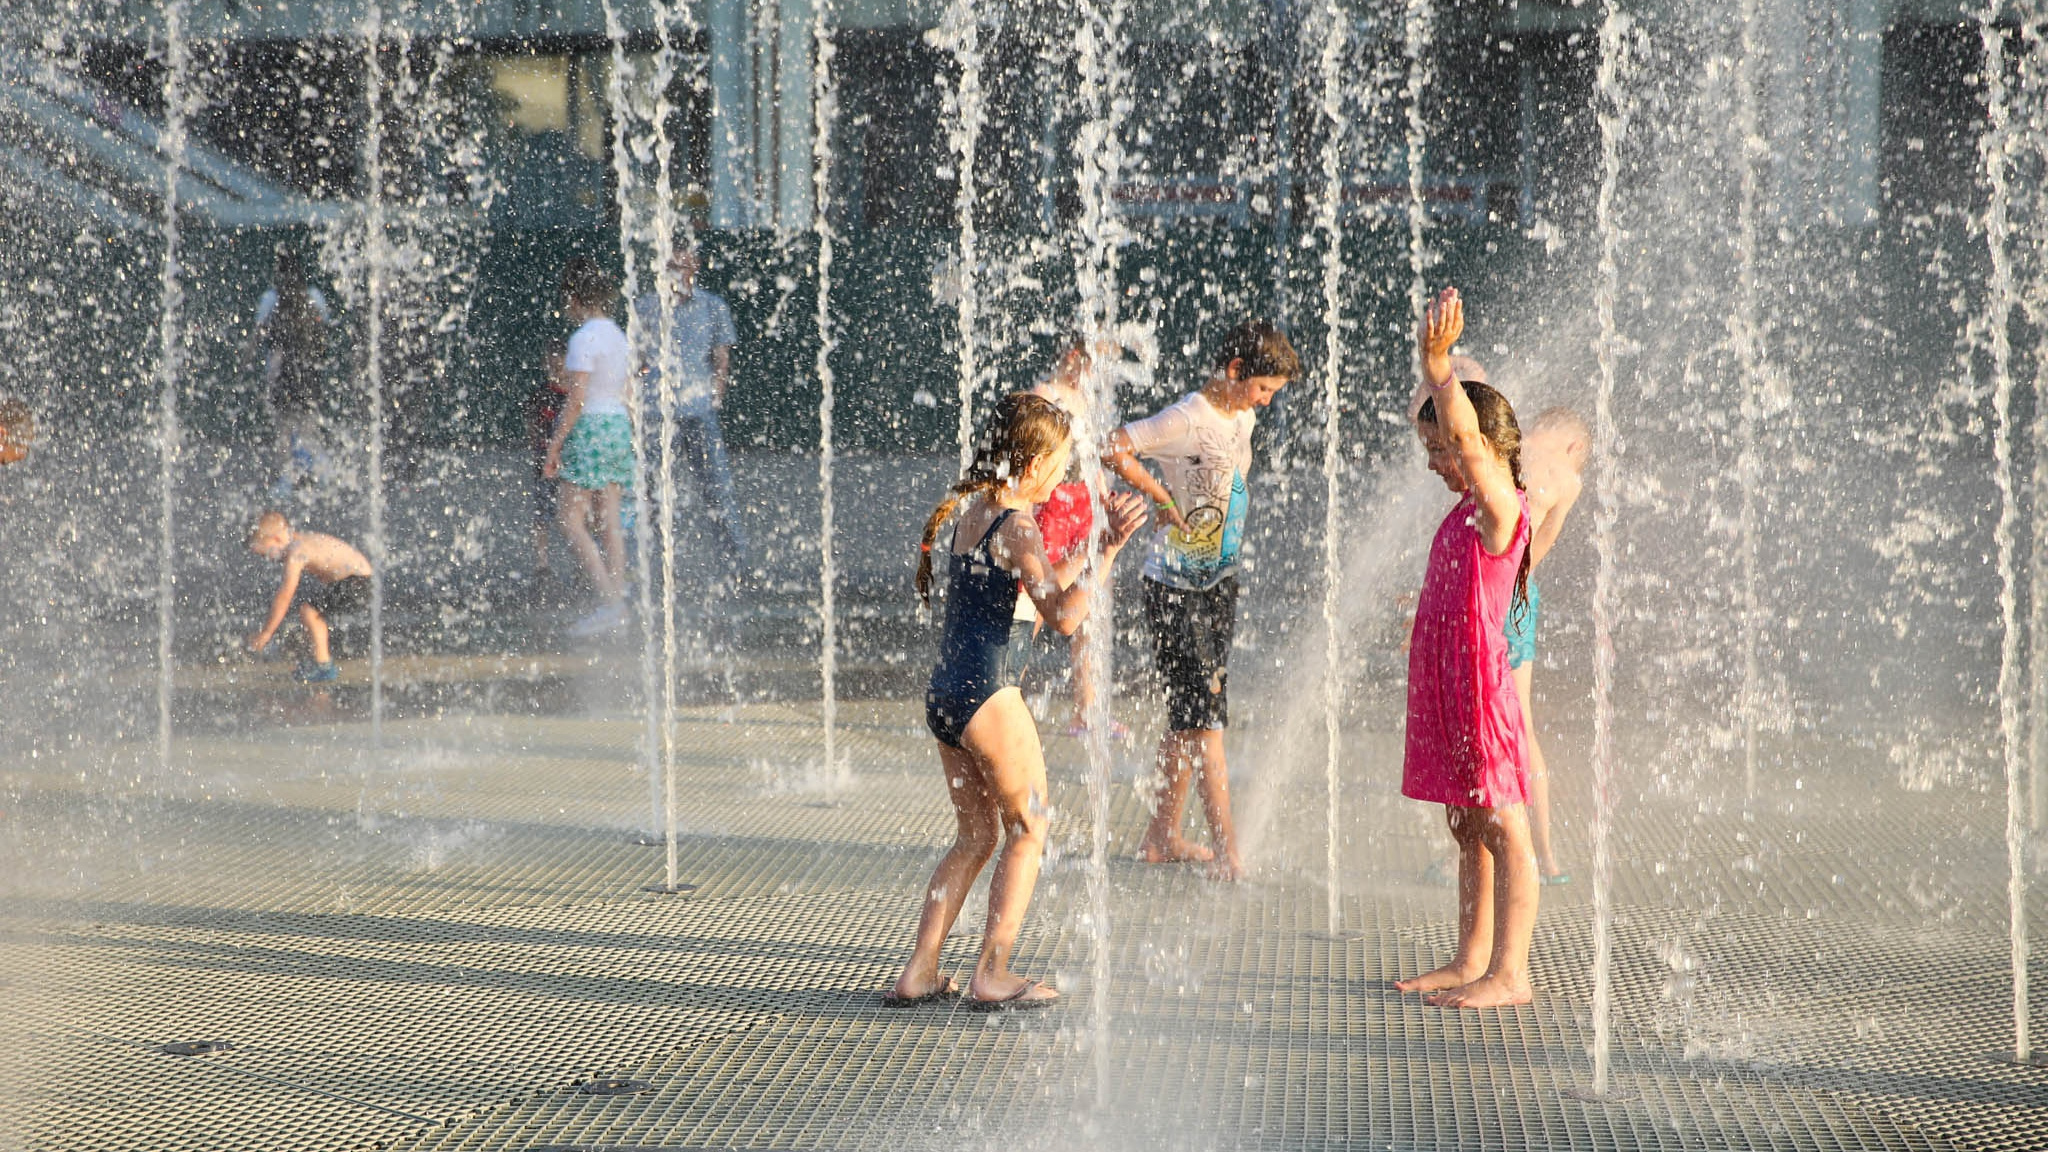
{"points": [[1466, 746]]}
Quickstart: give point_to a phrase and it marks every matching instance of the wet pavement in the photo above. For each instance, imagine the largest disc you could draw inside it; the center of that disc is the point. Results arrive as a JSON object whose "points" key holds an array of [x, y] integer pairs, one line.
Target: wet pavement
{"points": [[446, 942]]}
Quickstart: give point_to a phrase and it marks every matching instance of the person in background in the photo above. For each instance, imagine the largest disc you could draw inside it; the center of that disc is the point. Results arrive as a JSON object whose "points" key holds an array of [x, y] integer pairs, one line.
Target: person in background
{"points": [[543, 408], [290, 336], [1064, 521], [17, 430], [591, 451], [1554, 456], [701, 339]]}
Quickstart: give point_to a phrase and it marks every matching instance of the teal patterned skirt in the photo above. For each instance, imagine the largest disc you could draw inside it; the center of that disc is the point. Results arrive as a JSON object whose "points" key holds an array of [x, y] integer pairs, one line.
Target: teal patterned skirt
{"points": [[599, 451]]}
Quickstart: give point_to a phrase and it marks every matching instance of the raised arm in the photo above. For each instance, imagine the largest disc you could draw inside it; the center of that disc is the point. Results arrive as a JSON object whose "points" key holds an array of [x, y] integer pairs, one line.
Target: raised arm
{"points": [[1551, 524], [1063, 605], [1487, 476]]}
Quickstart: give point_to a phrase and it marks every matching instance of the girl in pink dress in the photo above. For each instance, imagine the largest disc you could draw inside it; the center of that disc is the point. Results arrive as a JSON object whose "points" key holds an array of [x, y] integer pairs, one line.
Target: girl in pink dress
{"points": [[1467, 749]]}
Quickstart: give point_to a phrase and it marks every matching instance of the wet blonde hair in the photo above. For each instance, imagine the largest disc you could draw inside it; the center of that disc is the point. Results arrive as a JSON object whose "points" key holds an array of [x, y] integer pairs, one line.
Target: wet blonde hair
{"points": [[271, 521], [1022, 428], [1562, 419]]}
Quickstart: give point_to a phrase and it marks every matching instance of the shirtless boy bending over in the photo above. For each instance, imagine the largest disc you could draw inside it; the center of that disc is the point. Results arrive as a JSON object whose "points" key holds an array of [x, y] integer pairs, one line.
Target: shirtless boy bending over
{"points": [[341, 575]]}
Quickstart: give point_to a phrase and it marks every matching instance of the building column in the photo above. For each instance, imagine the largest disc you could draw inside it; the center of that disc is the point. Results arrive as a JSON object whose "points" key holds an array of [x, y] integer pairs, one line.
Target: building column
{"points": [[794, 195], [1820, 82], [761, 113], [731, 28]]}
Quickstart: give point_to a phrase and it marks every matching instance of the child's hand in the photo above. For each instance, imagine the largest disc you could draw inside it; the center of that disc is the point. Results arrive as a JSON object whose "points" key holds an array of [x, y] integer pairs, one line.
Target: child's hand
{"points": [[1170, 512], [552, 465], [1442, 323], [1126, 515], [256, 642]]}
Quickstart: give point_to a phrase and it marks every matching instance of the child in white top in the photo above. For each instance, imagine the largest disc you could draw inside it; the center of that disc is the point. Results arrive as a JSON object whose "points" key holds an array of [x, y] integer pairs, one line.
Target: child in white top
{"points": [[592, 448], [1202, 445]]}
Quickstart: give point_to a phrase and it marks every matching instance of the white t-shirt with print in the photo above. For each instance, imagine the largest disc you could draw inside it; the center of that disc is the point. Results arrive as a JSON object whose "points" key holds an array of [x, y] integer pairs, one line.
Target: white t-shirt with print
{"points": [[599, 348], [1205, 458]]}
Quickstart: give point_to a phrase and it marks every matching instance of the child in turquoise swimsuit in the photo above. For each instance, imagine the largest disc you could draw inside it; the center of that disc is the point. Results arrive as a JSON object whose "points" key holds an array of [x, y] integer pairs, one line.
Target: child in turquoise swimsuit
{"points": [[1554, 454]]}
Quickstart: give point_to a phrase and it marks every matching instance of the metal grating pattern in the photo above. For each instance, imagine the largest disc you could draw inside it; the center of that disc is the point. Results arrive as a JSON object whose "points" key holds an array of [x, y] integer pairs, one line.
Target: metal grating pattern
{"points": [[433, 953]]}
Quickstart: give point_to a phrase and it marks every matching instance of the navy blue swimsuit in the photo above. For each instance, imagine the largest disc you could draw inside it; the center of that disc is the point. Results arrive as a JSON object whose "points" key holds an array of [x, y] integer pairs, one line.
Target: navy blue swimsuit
{"points": [[983, 649]]}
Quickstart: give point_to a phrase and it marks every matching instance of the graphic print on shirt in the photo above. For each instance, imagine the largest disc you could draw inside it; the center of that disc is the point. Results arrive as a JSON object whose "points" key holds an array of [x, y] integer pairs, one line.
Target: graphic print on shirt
{"points": [[1212, 499]]}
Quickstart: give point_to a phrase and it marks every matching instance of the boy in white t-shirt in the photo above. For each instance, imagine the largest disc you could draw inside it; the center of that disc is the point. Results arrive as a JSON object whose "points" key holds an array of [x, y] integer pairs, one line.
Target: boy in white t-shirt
{"points": [[1202, 445]]}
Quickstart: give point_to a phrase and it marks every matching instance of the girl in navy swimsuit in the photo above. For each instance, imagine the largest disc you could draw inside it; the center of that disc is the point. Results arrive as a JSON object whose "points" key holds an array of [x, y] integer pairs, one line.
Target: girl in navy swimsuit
{"points": [[988, 743]]}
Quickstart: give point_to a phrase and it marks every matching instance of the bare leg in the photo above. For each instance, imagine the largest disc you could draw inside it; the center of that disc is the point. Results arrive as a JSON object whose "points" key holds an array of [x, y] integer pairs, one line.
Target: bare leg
{"points": [[316, 633], [974, 810], [1004, 740], [574, 512], [1163, 843], [614, 529], [540, 544], [1539, 775], [1475, 908], [1505, 832], [1215, 777]]}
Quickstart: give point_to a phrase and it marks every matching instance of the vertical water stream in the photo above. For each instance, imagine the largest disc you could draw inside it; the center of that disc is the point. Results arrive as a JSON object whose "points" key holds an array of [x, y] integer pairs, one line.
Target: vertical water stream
{"points": [[1994, 148], [825, 109], [1336, 127], [2033, 81], [170, 369], [1613, 112], [1747, 340], [669, 363], [964, 117], [1419, 29], [631, 246], [1098, 156], [376, 265]]}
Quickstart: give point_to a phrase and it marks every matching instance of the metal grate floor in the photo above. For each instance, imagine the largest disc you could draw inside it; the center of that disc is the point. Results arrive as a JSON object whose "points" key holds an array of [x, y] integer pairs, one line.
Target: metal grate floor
{"points": [[432, 952]]}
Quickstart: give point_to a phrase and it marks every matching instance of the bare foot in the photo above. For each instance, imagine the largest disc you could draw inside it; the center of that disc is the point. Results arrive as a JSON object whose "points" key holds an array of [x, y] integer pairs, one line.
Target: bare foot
{"points": [[1010, 989], [1485, 992], [906, 991], [1228, 869], [1176, 851], [1452, 975]]}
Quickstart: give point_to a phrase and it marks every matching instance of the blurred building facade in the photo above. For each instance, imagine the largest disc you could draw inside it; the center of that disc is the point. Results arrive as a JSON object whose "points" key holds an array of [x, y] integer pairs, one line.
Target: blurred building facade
{"points": [[1217, 91]]}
